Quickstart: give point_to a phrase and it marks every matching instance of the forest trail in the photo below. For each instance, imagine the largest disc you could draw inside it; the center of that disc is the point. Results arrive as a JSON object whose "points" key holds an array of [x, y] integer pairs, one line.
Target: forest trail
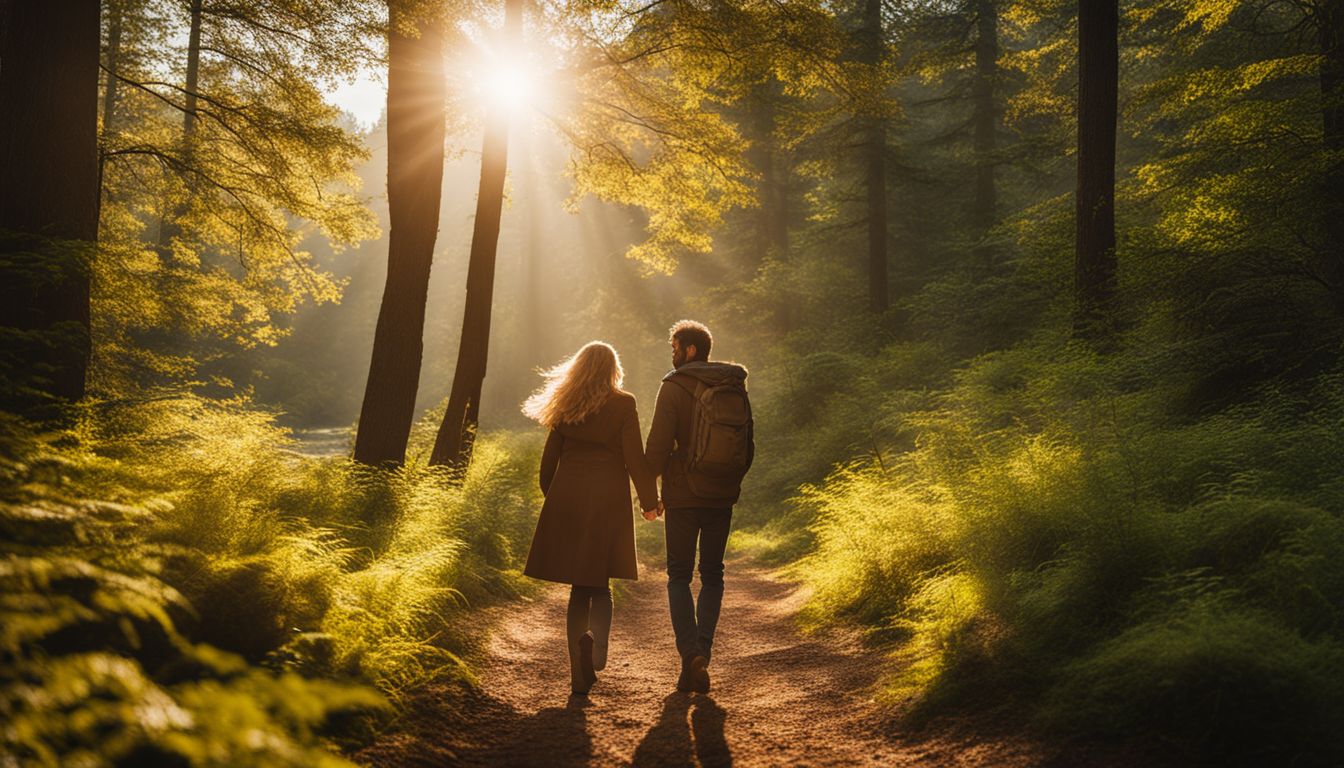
{"points": [[779, 698]]}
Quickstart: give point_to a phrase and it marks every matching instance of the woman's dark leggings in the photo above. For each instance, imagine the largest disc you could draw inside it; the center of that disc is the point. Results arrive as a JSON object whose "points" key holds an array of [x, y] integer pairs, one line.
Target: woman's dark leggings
{"points": [[589, 611]]}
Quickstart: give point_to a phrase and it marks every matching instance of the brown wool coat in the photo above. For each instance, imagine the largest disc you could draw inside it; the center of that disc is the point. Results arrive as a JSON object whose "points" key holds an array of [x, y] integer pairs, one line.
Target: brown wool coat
{"points": [[586, 533]]}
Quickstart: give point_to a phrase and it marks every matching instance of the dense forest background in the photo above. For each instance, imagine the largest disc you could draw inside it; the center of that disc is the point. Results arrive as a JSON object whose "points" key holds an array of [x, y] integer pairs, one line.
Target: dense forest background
{"points": [[1043, 305]]}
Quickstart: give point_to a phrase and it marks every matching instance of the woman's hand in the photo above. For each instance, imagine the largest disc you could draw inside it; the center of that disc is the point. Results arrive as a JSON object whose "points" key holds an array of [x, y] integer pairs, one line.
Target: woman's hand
{"points": [[655, 513]]}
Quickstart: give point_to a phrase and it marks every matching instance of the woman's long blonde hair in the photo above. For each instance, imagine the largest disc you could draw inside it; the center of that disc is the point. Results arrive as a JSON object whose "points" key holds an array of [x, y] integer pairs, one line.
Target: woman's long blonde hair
{"points": [[577, 387]]}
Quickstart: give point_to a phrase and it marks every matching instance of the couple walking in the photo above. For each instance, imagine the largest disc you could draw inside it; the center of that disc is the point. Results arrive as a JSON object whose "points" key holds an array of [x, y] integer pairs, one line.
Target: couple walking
{"points": [[700, 444]]}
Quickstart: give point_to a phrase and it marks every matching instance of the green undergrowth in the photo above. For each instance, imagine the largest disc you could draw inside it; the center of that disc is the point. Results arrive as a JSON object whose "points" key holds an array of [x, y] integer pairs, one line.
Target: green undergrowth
{"points": [[1061, 537], [181, 587]]}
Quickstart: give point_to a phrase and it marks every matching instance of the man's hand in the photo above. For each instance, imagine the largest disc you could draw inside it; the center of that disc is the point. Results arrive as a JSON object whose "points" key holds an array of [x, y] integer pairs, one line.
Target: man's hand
{"points": [[655, 513]]}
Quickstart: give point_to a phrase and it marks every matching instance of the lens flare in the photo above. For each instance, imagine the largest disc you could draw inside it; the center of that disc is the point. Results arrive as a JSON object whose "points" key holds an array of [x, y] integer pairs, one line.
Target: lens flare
{"points": [[512, 88]]}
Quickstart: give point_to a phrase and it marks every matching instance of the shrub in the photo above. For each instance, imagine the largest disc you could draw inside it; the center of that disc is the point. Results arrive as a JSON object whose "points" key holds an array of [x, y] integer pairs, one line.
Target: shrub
{"points": [[180, 587], [1056, 533]]}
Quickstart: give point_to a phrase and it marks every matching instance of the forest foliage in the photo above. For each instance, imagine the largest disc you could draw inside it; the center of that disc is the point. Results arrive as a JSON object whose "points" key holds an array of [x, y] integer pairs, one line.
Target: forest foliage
{"points": [[1136, 538], [180, 585]]}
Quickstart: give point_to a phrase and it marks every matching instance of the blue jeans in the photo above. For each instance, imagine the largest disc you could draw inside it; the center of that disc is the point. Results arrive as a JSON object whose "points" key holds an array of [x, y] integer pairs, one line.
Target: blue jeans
{"points": [[693, 620]]}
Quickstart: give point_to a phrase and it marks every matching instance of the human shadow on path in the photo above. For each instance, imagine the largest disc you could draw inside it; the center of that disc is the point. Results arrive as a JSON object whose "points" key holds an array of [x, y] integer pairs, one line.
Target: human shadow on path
{"points": [[555, 736], [669, 742]]}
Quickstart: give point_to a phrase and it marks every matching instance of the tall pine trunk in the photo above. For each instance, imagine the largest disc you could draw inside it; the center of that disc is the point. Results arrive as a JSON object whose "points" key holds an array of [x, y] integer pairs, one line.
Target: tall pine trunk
{"points": [[457, 433], [1098, 85], [1330, 34], [985, 119], [49, 185], [416, 93], [875, 167]]}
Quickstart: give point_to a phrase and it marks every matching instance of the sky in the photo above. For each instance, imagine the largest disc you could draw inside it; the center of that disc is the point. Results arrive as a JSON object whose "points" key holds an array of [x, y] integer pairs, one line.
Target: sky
{"points": [[364, 97]]}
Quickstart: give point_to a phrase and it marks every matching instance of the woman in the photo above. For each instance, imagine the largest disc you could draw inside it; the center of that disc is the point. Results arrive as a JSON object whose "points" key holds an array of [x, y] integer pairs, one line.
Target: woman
{"points": [[586, 534]]}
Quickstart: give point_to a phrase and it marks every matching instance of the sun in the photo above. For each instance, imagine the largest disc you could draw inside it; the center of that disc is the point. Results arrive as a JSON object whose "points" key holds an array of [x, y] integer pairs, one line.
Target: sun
{"points": [[511, 87], [515, 80]]}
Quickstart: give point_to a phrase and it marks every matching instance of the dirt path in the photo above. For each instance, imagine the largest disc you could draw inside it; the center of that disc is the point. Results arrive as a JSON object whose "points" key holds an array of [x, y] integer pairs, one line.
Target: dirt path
{"points": [[779, 698]]}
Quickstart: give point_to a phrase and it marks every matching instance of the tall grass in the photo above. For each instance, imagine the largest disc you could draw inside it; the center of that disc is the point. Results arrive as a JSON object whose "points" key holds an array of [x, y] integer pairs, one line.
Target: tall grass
{"points": [[181, 585], [1058, 534]]}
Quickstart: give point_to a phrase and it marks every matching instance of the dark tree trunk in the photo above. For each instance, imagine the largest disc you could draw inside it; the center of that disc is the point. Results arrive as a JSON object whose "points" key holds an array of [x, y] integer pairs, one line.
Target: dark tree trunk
{"points": [[1330, 33], [986, 119], [416, 92], [457, 433], [4, 21], [49, 183], [875, 167], [1098, 84]]}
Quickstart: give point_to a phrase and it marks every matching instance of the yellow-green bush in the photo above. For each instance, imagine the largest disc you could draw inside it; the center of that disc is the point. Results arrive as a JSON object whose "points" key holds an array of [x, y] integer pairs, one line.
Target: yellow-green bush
{"points": [[180, 585], [1056, 532]]}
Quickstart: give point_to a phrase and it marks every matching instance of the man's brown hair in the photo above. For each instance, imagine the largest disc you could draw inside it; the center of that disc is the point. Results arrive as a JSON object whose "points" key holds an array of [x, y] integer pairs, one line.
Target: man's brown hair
{"points": [[688, 332]]}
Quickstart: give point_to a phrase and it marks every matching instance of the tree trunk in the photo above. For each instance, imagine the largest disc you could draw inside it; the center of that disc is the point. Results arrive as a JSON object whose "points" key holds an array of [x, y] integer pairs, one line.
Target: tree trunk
{"points": [[416, 93], [168, 226], [772, 226], [776, 228], [771, 235], [875, 167], [457, 433], [4, 22], [193, 75], [1098, 84], [49, 183], [114, 23], [535, 324], [1330, 33], [986, 121]]}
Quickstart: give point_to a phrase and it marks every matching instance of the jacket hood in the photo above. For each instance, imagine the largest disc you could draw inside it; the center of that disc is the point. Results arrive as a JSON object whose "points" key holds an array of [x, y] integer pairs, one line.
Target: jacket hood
{"points": [[711, 373]]}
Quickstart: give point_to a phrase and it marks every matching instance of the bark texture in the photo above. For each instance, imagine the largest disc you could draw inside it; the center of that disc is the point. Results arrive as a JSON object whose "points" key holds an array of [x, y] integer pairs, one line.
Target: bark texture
{"points": [[415, 135], [49, 185], [986, 120], [169, 228], [875, 168], [1098, 83], [457, 433], [1330, 34], [112, 65]]}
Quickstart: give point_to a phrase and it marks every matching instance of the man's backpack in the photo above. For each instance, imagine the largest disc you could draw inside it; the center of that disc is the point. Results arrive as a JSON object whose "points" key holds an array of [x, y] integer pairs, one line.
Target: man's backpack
{"points": [[720, 448]]}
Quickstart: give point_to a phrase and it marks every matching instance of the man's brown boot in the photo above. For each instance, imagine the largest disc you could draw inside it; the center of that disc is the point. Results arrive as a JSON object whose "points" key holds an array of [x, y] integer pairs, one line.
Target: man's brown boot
{"points": [[699, 675]]}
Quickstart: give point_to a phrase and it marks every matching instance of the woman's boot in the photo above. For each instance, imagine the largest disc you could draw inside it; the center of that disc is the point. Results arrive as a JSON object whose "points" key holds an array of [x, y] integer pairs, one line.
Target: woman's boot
{"points": [[599, 620]]}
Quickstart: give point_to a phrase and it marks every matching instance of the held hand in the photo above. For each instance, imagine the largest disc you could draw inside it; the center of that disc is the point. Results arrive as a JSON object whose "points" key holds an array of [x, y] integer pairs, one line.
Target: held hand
{"points": [[650, 514]]}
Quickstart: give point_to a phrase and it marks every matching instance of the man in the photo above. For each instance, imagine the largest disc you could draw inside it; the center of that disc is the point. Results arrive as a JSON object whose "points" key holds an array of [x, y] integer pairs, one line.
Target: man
{"points": [[701, 445]]}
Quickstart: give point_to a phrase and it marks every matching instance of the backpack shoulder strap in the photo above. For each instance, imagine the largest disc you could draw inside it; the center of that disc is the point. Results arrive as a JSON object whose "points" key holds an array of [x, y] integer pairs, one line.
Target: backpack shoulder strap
{"points": [[693, 390]]}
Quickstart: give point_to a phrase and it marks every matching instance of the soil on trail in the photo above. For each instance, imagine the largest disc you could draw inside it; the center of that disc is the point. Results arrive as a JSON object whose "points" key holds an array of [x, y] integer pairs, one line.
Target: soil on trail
{"points": [[778, 697]]}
